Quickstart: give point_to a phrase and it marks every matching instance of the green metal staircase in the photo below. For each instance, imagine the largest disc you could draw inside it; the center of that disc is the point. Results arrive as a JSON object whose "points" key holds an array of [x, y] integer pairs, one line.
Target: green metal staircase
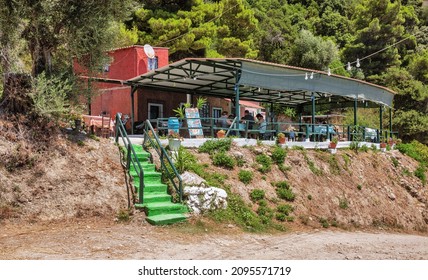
{"points": [[157, 203], [151, 193]]}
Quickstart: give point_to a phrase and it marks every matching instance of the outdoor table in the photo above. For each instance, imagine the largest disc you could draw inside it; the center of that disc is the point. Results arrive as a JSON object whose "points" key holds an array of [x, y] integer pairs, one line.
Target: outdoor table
{"points": [[97, 122]]}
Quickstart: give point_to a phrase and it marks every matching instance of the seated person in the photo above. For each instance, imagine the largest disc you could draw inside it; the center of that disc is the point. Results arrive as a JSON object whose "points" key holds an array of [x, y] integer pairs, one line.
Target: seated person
{"points": [[262, 127], [224, 120], [292, 135], [250, 119]]}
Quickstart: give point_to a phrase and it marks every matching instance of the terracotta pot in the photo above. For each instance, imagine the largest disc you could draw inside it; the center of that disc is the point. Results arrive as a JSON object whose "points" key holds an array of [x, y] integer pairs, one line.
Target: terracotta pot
{"points": [[332, 145], [281, 140], [382, 145], [220, 134]]}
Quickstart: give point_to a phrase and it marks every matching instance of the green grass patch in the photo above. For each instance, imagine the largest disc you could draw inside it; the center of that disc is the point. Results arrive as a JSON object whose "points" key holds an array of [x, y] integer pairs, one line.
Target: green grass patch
{"points": [[420, 173], [334, 165], [222, 159], [257, 194], [239, 213], [284, 191], [265, 162], [278, 155], [245, 176]]}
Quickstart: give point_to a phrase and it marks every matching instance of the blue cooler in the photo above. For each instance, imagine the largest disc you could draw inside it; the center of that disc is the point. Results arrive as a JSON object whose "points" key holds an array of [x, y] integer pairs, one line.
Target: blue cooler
{"points": [[173, 125]]}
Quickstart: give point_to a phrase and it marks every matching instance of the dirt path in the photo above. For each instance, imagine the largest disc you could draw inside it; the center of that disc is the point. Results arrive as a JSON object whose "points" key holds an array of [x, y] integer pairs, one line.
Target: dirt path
{"points": [[101, 240]]}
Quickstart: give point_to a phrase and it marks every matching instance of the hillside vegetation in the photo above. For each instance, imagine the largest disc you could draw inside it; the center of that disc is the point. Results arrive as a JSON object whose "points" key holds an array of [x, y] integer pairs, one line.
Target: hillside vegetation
{"points": [[75, 176]]}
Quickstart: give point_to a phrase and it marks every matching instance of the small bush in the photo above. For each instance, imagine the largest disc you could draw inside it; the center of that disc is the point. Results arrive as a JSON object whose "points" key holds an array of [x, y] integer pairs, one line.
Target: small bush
{"points": [[184, 160], [223, 160], [324, 223], [395, 162], [123, 215], [265, 211], [283, 168], [343, 203], [278, 155], [245, 176], [285, 209], [212, 146], [281, 217], [284, 191], [359, 187], [262, 202], [364, 148], [290, 218], [257, 194], [265, 161], [282, 185], [240, 161], [237, 211], [334, 165], [286, 194], [309, 197]]}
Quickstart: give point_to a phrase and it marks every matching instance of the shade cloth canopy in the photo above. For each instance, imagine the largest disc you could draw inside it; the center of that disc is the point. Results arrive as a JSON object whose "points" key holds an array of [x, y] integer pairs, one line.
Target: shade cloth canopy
{"points": [[259, 81]]}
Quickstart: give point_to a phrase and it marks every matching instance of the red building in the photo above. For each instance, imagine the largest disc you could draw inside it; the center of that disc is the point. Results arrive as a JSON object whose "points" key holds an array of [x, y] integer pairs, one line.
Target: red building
{"points": [[132, 61]]}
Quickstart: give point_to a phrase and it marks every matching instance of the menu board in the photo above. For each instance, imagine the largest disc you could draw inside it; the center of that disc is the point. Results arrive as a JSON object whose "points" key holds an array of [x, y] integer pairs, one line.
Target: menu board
{"points": [[194, 122]]}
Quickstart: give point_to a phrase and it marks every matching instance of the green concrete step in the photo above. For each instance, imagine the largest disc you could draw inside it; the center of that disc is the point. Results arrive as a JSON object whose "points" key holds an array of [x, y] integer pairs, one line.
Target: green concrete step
{"points": [[153, 188], [138, 148], [149, 178], [157, 208], [166, 219], [145, 167], [156, 201], [152, 197]]}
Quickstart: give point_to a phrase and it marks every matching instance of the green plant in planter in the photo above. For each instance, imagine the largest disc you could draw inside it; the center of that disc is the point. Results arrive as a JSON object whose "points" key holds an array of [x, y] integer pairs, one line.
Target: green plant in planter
{"points": [[200, 102], [180, 112]]}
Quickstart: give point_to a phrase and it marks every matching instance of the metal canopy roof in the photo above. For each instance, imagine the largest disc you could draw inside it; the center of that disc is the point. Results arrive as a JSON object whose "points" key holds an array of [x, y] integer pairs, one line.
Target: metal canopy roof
{"points": [[260, 81]]}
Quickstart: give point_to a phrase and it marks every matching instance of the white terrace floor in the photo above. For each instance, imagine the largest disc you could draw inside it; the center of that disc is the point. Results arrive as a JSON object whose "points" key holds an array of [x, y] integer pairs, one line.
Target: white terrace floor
{"points": [[195, 143]]}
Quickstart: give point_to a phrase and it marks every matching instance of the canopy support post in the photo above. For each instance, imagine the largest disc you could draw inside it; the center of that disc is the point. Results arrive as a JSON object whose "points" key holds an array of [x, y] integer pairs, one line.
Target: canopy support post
{"points": [[380, 122], [390, 122], [313, 113], [133, 90]]}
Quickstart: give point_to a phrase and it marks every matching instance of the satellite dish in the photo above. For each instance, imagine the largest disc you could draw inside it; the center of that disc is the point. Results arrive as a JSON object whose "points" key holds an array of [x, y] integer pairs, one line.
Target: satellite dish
{"points": [[149, 51]]}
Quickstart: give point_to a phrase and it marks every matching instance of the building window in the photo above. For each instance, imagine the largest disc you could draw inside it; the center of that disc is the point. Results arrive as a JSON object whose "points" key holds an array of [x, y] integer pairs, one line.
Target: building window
{"points": [[204, 112], [155, 111], [153, 63], [216, 114]]}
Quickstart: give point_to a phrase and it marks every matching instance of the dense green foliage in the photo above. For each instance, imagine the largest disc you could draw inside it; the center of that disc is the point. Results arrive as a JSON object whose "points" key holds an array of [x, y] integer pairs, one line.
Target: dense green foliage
{"points": [[389, 37], [419, 152]]}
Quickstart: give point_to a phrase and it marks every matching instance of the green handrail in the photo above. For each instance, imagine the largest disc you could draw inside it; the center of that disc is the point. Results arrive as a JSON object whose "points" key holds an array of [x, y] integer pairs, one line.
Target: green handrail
{"points": [[148, 130], [131, 156]]}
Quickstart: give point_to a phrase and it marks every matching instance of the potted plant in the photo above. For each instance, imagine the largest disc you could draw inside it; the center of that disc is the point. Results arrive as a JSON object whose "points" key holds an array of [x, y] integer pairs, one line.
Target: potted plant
{"points": [[174, 141], [221, 133], [382, 145], [333, 143], [281, 138]]}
